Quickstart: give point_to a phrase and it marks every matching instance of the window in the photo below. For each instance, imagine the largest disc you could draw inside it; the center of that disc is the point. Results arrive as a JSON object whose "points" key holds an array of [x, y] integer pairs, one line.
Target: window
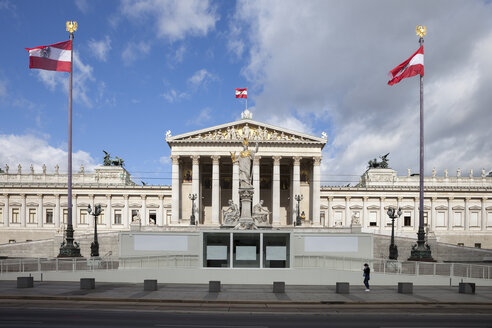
{"points": [[117, 216], [458, 219], [373, 218], [168, 216], [152, 218], [49, 216], [474, 219], [478, 245], [135, 216], [441, 219], [100, 218], [489, 219], [407, 221], [65, 216], [15, 215], [83, 216], [426, 219], [461, 244], [11, 241], [338, 218], [1, 215], [32, 215]]}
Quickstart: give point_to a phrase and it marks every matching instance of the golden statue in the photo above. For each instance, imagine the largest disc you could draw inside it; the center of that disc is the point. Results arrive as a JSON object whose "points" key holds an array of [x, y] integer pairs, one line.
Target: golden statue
{"points": [[71, 26]]}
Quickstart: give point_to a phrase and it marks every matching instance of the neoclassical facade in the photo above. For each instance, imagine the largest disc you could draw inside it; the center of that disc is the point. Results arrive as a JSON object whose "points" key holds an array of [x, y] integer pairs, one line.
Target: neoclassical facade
{"points": [[457, 209]]}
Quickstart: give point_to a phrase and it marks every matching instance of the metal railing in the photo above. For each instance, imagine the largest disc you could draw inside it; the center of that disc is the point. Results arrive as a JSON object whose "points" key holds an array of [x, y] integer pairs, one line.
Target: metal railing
{"points": [[396, 267]]}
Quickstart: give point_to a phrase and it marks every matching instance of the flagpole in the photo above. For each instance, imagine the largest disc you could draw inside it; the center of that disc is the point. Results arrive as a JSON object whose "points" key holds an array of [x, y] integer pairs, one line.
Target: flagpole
{"points": [[68, 248], [246, 99], [421, 251]]}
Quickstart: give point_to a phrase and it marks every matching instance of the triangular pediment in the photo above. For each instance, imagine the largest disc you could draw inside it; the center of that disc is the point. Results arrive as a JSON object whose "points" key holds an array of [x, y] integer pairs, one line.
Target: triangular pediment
{"points": [[236, 131]]}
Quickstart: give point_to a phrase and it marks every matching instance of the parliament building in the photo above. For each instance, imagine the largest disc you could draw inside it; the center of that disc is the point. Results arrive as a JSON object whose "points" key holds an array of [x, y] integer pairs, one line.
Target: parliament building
{"points": [[285, 177]]}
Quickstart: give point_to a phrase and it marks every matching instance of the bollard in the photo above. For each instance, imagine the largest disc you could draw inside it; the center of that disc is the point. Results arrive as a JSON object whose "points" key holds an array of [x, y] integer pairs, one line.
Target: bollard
{"points": [[87, 283], [150, 284], [343, 288], [467, 288], [25, 282], [279, 287], [214, 286], [405, 287]]}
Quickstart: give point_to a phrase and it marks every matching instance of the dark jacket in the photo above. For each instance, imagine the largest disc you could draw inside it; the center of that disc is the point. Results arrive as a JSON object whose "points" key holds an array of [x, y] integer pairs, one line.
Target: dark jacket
{"points": [[367, 272]]}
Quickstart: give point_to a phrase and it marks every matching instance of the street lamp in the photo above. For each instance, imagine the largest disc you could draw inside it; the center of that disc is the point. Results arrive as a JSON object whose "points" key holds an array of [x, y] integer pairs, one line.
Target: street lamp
{"points": [[393, 250], [298, 198], [192, 217], [95, 243]]}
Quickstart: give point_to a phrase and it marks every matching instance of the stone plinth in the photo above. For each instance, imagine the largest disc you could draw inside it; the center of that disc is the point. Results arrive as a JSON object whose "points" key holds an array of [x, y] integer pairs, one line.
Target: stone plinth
{"points": [[214, 286], [246, 198], [25, 282], [87, 283], [343, 288], [150, 284], [467, 288], [405, 288], [279, 287]]}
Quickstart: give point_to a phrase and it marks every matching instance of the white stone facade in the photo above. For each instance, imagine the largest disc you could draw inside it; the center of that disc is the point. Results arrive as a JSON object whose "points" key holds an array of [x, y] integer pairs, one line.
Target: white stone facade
{"points": [[457, 209]]}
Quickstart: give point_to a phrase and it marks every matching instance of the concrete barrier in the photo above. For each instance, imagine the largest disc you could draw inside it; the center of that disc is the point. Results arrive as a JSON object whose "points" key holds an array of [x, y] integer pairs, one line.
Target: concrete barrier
{"points": [[405, 287], [87, 283], [150, 284], [467, 288], [25, 282], [343, 288], [214, 286], [279, 287]]}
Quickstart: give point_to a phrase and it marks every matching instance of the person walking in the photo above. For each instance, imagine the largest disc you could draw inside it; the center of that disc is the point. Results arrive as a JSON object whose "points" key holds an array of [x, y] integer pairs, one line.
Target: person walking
{"points": [[367, 276]]}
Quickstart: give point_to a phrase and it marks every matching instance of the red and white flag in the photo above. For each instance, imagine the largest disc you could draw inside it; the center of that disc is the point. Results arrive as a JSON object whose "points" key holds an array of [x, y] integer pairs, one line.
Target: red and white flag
{"points": [[410, 67], [242, 93], [55, 57]]}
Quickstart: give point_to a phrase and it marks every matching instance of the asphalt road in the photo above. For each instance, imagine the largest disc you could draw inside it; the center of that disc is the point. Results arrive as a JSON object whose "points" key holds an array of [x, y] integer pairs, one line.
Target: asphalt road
{"points": [[19, 314]]}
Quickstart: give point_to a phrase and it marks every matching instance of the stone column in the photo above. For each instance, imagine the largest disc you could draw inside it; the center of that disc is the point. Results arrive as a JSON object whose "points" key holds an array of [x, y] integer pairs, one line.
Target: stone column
{"points": [[296, 184], [195, 185], [399, 222], [90, 218], [160, 215], [382, 213], [6, 216], [450, 213], [235, 182], [329, 217], [23, 210], [483, 215], [144, 219], [466, 224], [364, 221], [74, 212], [432, 218], [348, 219], [276, 191], [126, 213], [109, 221], [175, 213], [316, 181], [40, 211], [416, 214], [215, 190], [57, 211], [256, 180]]}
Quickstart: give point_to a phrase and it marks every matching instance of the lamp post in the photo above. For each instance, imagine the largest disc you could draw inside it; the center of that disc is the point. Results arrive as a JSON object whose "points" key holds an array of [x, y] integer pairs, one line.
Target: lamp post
{"points": [[192, 217], [95, 243], [298, 198], [393, 250]]}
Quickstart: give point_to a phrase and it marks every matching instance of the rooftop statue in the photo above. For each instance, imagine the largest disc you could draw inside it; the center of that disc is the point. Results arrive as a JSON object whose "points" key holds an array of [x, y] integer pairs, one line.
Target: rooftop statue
{"points": [[375, 164], [245, 158], [108, 161]]}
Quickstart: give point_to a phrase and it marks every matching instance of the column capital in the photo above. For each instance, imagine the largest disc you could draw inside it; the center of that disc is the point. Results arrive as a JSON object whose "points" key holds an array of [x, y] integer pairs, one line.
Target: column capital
{"points": [[297, 160], [175, 159], [276, 160], [382, 198], [347, 197], [317, 160], [160, 197], [126, 197], [40, 195], [22, 195], [451, 198], [91, 195], [434, 199], [108, 196], [365, 198], [143, 197], [400, 198], [256, 160], [195, 159], [215, 159], [484, 198], [330, 198], [467, 198]]}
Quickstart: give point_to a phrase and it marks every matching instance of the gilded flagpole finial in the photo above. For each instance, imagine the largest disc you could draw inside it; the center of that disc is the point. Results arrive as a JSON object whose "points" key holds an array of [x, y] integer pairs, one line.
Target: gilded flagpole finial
{"points": [[71, 26], [421, 31]]}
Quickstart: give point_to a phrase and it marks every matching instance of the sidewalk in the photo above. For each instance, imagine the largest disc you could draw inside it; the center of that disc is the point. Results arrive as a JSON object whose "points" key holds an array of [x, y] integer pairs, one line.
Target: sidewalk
{"points": [[242, 294]]}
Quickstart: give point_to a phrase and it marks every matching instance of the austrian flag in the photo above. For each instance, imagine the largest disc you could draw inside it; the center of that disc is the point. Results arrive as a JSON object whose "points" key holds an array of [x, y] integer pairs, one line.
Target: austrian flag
{"points": [[55, 57], [242, 93], [410, 67]]}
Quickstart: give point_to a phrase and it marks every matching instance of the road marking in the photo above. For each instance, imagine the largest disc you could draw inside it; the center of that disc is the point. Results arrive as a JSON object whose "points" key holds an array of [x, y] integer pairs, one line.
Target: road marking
{"points": [[211, 326]]}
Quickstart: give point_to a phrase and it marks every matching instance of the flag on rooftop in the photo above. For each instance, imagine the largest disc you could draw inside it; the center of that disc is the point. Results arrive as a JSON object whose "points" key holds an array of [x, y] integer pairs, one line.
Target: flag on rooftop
{"points": [[410, 67], [54, 57], [242, 93]]}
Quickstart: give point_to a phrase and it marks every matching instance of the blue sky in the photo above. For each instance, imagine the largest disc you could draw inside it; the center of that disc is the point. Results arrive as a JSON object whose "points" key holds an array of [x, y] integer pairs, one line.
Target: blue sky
{"points": [[145, 67]]}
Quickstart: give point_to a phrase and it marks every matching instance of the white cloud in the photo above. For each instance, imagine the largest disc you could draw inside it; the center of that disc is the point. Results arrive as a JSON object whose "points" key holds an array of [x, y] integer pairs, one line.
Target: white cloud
{"points": [[174, 19], [83, 5], [321, 71], [134, 51], [165, 160], [29, 149], [173, 96], [82, 81], [201, 78], [202, 118], [101, 48]]}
